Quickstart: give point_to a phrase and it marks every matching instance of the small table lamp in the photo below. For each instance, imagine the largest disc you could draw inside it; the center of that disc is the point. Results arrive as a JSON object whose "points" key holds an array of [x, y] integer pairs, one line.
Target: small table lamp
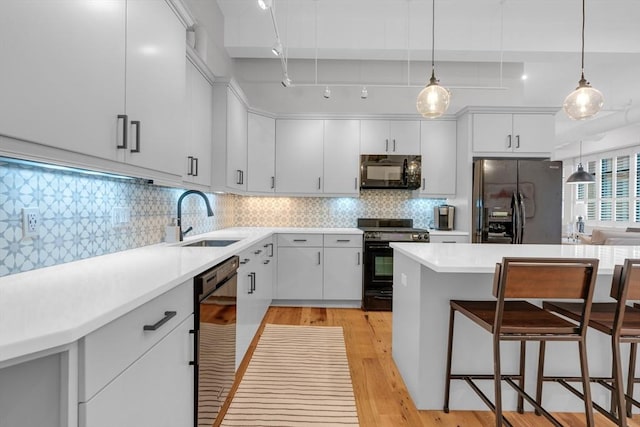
{"points": [[581, 212]]}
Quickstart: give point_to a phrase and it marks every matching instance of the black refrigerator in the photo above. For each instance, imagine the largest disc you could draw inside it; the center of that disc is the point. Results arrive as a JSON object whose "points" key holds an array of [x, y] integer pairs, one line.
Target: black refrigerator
{"points": [[517, 201]]}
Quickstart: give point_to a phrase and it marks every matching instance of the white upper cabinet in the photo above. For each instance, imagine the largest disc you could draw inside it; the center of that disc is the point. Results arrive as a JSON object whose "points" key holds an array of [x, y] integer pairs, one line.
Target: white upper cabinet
{"points": [[197, 153], [261, 160], [390, 137], [236, 142], [341, 156], [299, 154], [63, 73], [72, 67], [438, 152], [517, 133], [155, 85]]}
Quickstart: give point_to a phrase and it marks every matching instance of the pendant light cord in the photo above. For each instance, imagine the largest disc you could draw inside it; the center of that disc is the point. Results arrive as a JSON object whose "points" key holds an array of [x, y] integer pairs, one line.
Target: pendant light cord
{"points": [[583, 19], [433, 36]]}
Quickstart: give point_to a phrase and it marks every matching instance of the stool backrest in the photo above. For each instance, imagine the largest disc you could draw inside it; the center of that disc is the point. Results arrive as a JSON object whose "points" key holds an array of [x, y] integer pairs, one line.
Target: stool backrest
{"points": [[625, 285], [545, 278]]}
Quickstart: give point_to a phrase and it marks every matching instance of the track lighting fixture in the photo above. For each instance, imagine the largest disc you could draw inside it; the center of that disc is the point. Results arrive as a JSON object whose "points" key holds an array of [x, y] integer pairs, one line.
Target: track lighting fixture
{"points": [[286, 82], [364, 94], [277, 48], [265, 4], [585, 101], [327, 92]]}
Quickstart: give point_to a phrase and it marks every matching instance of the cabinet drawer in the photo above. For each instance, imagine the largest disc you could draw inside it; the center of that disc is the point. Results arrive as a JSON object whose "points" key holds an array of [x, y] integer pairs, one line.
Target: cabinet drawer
{"points": [[300, 239], [109, 350], [343, 240]]}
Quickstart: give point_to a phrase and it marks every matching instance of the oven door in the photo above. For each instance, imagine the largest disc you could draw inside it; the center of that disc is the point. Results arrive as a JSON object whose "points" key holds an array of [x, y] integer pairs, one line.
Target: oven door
{"points": [[377, 284]]}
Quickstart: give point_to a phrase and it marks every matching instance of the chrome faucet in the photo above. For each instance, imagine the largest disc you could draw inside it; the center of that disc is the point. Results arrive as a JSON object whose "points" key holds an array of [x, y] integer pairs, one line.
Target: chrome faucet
{"points": [[186, 193]]}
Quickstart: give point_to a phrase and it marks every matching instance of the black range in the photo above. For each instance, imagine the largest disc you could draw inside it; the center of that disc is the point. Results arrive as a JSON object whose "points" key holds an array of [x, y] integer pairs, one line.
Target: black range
{"points": [[377, 275]]}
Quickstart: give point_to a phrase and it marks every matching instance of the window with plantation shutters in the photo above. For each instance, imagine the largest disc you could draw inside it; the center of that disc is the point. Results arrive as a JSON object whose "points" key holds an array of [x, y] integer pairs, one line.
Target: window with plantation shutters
{"points": [[615, 194]]}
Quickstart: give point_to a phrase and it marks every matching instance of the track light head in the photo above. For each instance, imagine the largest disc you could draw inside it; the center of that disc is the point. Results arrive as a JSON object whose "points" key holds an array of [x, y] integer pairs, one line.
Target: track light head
{"points": [[265, 4], [286, 82], [277, 48], [327, 92], [364, 94]]}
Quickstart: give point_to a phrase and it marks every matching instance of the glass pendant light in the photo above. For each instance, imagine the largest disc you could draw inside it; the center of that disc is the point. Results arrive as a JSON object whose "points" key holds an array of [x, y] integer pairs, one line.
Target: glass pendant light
{"points": [[585, 101], [434, 99], [580, 176]]}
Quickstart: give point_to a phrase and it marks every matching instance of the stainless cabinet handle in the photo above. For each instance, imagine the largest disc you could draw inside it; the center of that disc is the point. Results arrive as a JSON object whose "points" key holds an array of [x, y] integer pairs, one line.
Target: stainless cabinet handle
{"points": [[266, 261], [386, 144], [424, 183], [273, 182], [136, 123], [355, 185], [259, 251], [343, 240], [190, 169], [318, 257], [125, 125], [299, 240], [195, 169], [508, 141], [167, 316], [271, 250], [358, 259], [319, 182], [517, 141], [241, 177], [244, 261], [394, 145], [238, 176]]}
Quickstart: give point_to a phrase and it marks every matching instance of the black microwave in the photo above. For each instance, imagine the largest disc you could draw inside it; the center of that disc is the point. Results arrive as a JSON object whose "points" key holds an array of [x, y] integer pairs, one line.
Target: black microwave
{"points": [[378, 171]]}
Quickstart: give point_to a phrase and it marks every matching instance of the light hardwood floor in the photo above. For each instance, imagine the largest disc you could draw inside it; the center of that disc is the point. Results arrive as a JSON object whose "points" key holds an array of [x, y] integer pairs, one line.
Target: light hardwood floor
{"points": [[381, 396]]}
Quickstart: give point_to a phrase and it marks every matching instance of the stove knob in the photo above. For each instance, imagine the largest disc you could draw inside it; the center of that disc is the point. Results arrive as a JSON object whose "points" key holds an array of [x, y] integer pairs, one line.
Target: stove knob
{"points": [[419, 236]]}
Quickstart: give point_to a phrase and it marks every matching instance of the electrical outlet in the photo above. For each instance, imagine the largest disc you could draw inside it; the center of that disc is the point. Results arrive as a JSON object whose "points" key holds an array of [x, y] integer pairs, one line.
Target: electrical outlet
{"points": [[120, 216], [30, 222]]}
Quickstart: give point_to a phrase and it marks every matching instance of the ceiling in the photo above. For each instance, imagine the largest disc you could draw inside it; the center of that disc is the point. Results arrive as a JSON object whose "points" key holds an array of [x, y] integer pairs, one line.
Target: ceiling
{"points": [[482, 50]]}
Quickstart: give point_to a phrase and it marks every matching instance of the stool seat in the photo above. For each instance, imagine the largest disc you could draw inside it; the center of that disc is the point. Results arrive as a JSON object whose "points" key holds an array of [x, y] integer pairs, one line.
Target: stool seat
{"points": [[519, 317], [602, 316]]}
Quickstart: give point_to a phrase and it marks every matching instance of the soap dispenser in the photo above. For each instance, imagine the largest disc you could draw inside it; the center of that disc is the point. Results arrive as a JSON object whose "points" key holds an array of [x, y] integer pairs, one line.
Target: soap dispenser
{"points": [[172, 232]]}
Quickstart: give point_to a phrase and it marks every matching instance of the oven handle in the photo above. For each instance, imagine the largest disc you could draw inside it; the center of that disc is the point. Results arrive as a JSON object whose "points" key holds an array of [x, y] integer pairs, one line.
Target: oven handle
{"points": [[378, 247], [382, 298]]}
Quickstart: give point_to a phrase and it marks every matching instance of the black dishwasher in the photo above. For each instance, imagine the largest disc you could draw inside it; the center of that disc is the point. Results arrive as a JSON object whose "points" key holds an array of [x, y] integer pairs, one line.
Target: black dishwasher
{"points": [[215, 296]]}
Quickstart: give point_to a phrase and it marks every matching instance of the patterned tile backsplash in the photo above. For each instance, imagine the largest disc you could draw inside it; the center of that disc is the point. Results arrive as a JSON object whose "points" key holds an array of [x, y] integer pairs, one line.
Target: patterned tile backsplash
{"points": [[77, 218]]}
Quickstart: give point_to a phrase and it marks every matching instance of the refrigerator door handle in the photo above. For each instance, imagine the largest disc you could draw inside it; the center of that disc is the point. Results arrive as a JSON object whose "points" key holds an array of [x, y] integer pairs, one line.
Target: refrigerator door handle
{"points": [[515, 219], [523, 211]]}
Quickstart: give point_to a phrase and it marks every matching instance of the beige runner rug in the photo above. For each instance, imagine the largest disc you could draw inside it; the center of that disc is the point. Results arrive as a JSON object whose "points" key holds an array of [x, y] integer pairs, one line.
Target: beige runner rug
{"points": [[298, 376]]}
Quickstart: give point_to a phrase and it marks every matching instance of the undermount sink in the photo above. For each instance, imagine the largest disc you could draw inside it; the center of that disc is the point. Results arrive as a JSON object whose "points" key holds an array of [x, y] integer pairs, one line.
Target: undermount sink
{"points": [[211, 243]]}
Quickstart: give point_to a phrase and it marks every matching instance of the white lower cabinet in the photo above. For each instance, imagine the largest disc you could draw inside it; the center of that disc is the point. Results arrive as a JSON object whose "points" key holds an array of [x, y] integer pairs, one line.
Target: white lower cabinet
{"points": [[157, 390], [317, 267], [255, 292]]}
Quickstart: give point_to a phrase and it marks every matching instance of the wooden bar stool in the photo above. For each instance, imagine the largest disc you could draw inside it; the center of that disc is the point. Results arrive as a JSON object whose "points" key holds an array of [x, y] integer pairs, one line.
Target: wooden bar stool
{"points": [[512, 318], [619, 321]]}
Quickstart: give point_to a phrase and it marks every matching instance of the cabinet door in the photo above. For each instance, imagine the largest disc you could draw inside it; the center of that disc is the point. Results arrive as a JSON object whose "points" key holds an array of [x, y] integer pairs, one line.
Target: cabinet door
{"points": [[236, 142], [342, 274], [534, 133], [155, 85], [341, 156], [438, 142], [492, 133], [299, 156], [156, 390], [374, 137], [200, 106], [245, 323], [299, 274], [404, 137], [261, 156], [62, 74]]}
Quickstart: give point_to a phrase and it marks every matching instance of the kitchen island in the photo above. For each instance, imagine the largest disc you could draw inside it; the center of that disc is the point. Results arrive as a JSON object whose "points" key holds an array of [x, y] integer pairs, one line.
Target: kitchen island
{"points": [[427, 277]]}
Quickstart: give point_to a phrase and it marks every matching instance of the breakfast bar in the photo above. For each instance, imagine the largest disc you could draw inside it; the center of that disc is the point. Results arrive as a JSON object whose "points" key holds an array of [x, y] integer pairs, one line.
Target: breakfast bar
{"points": [[427, 277]]}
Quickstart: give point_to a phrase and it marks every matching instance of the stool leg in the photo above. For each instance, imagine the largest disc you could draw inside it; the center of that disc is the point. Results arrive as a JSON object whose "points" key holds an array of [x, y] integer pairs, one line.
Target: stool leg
{"points": [[633, 351], [523, 350], [586, 383], [540, 375], [617, 382], [447, 383], [497, 379]]}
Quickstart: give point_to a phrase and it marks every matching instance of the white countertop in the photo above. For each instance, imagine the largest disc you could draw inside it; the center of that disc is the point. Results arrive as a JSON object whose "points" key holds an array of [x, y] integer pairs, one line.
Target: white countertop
{"points": [[54, 306], [482, 258]]}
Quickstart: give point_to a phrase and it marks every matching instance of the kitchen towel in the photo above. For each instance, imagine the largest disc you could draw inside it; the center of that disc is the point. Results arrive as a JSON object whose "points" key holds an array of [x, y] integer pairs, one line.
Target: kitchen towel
{"points": [[298, 376]]}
